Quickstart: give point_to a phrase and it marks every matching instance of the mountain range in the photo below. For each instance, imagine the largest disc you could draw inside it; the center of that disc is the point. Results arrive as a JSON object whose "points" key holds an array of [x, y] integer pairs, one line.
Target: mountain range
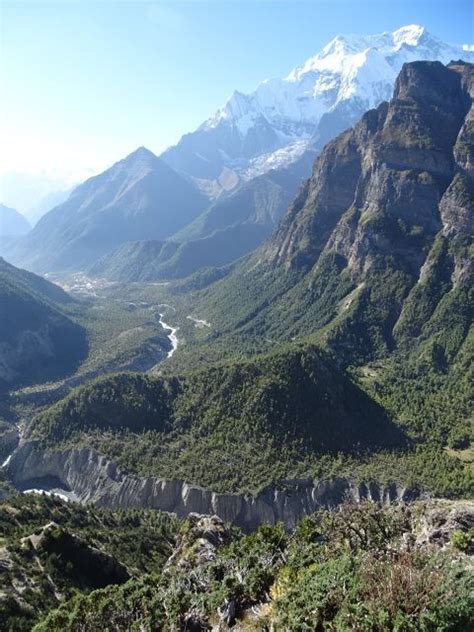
{"points": [[228, 183], [356, 314], [373, 260], [137, 197], [329, 366], [282, 118], [375, 251], [228, 229]]}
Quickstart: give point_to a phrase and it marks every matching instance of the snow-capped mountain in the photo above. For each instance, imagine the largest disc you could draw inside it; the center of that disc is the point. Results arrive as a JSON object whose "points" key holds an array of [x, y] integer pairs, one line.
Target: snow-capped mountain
{"points": [[316, 101]]}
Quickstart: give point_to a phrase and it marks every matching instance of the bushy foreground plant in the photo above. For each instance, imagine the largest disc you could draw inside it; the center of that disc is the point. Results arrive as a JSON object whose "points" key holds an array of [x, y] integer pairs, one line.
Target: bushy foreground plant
{"points": [[351, 569]]}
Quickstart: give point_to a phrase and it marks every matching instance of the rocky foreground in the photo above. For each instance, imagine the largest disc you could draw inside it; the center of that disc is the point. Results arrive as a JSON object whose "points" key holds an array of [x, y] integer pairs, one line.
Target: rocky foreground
{"points": [[358, 567]]}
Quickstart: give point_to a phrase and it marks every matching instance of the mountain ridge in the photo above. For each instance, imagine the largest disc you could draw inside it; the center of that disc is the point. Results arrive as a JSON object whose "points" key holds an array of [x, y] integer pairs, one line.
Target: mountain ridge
{"points": [[12, 222], [227, 230], [273, 130], [313, 103], [354, 212], [138, 197]]}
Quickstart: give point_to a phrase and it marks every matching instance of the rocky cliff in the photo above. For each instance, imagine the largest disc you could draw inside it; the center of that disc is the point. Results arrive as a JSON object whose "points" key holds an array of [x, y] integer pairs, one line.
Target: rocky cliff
{"points": [[379, 240], [93, 478], [396, 164]]}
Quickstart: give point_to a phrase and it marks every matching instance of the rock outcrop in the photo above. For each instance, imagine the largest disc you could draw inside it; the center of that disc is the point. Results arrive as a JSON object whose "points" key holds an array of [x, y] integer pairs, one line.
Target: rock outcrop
{"points": [[435, 522], [394, 165], [93, 478], [198, 543]]}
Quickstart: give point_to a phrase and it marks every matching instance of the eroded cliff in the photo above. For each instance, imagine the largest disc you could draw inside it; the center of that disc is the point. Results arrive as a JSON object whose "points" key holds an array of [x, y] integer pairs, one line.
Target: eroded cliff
{"points": [[93, 478]]}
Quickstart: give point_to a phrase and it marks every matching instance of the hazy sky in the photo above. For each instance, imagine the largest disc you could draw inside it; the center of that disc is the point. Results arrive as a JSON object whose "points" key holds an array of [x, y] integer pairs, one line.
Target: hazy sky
{"points": [[85, 82]]}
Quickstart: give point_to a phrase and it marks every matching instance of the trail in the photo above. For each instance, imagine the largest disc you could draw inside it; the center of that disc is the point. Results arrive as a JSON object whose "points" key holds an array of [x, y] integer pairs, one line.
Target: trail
{"points": [[198, 322]]}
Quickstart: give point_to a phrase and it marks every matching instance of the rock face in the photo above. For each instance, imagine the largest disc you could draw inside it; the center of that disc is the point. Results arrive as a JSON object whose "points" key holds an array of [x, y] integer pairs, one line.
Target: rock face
{"points": [[395, 164], [93, 478], [378, 237], [436, 521], [199, 543]]}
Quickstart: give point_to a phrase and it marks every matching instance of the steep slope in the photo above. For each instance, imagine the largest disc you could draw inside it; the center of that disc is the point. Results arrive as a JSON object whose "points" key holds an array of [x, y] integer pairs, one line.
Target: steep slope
{"points": [[12, 222], [139, 197], [38, 341], [232, 226], [314, 103], [375, 252], [260, 201], [48, 202]]}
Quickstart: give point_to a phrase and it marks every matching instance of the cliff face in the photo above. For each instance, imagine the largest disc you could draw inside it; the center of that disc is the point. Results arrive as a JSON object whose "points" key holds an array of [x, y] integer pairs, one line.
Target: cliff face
{"points": [[93, 478], [395, 164], [380, 236]]}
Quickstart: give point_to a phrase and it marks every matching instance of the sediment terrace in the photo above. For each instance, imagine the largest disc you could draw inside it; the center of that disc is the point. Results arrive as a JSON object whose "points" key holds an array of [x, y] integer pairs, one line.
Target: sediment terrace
{"points": [[91, 477]]}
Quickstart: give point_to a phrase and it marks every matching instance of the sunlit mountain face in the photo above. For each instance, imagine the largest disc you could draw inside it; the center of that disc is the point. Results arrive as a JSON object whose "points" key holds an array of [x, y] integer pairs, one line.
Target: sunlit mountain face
{"points": [[283, 118]]}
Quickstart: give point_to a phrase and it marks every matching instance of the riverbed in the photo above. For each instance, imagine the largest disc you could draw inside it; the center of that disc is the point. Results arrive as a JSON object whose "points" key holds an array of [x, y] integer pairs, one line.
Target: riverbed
{"points": [[172, 336]]}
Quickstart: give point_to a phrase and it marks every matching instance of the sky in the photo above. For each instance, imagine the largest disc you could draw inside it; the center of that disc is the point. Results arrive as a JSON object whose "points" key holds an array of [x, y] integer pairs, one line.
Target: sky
{"points": [[83, 83]]}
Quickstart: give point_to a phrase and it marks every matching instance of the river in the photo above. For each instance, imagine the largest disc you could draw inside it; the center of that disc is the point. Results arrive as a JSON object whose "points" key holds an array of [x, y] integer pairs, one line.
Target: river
{"points": [[172, 337]]}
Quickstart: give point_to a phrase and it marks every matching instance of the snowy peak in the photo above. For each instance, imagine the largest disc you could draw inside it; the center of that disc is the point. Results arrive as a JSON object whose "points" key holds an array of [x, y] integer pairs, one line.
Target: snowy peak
{"points": [[238, 107], [316, 101], [344, 53], [333, 56], [409, 35], [238, 104], [348, 67]]}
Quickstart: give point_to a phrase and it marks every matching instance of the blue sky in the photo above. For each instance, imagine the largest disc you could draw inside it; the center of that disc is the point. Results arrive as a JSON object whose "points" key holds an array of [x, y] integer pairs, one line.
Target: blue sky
{"points": [[84, 83]]}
